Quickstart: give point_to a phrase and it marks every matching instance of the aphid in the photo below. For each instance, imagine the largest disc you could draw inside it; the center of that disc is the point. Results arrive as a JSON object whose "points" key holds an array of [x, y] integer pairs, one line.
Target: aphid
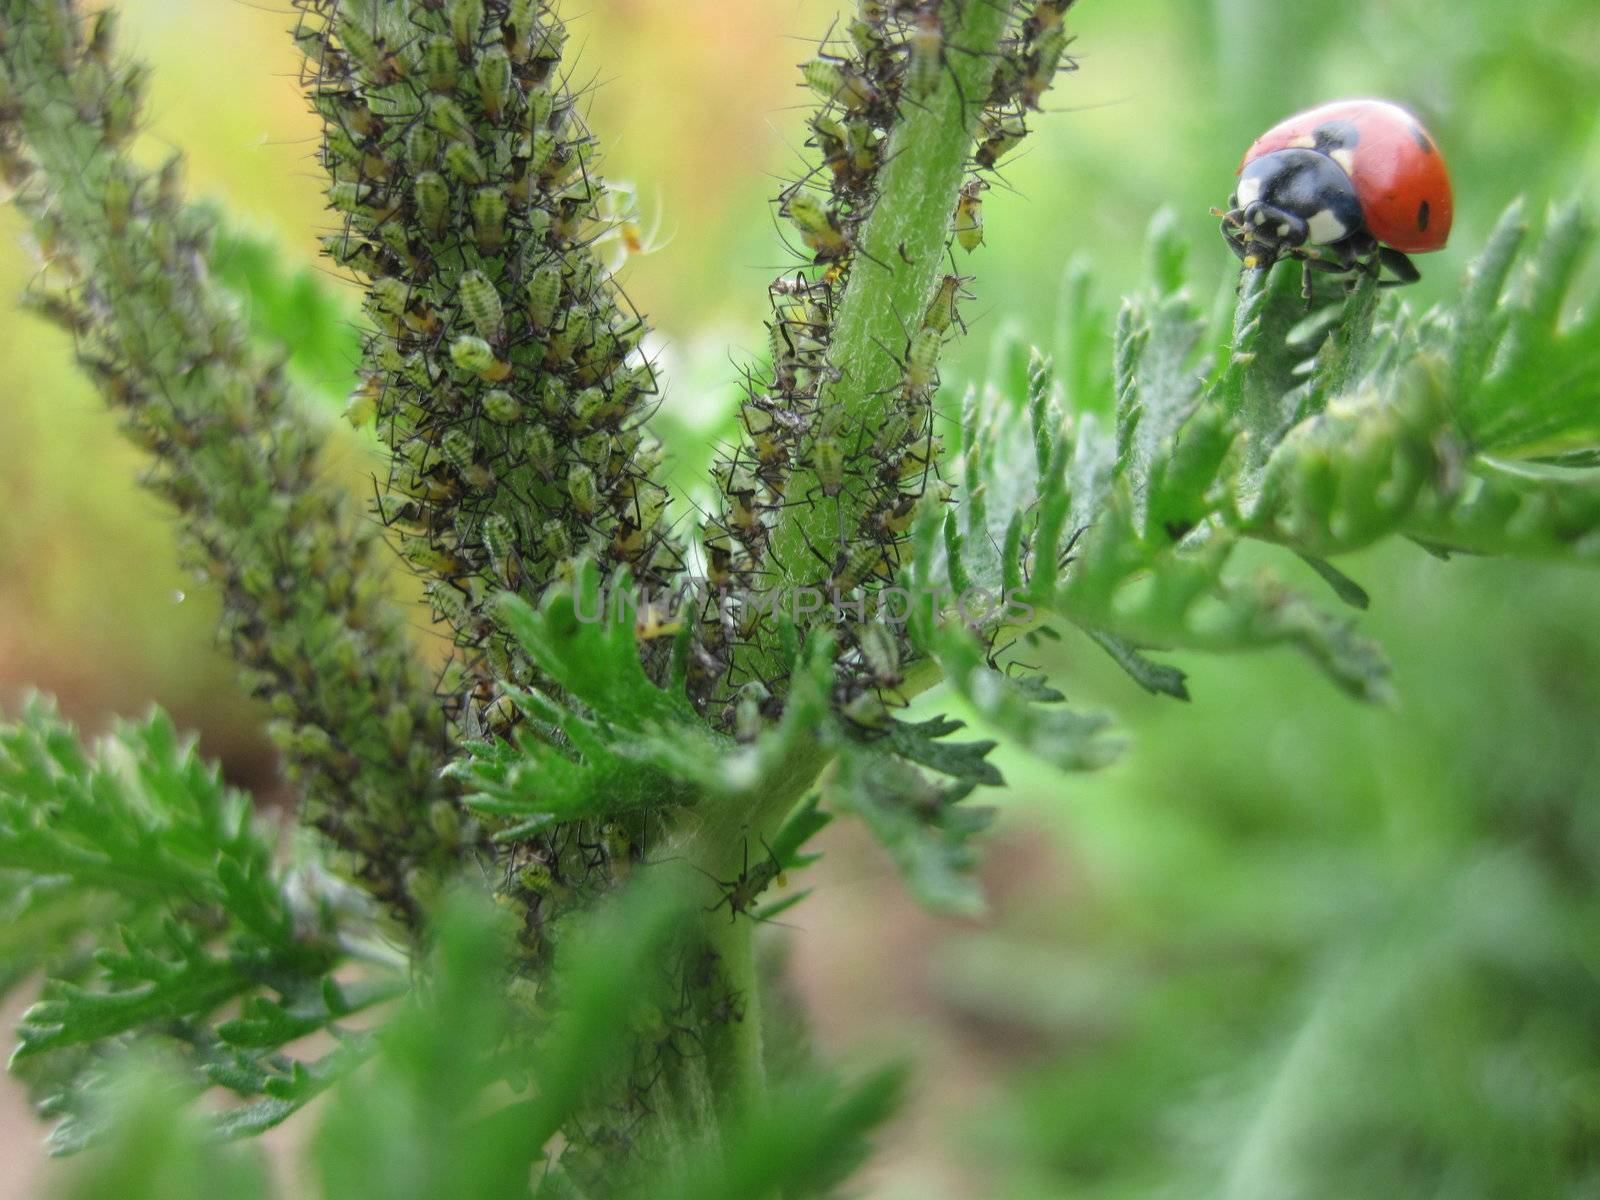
{"points": [[1045, 17], [1002, 135], [522, 19], [450, 119], [362, 407], [541, 152], [892, 432], [430, 558], [500, 541], [462, 161], [1352, 185], [448, 602], [552, 42], [460, 453], [541, 449], [587, 405], [494, 81], [555, 539], [489, 208], [969, 215], [102, 37], [881, 650], [466, 24], [501, 407], [926, 47], [855, 566], [827, 457], [1042, 66], [839, 82], [941, 312], [922, 359], [481, 304], [819, 227], [430, 195], [582, 490], [476, 355], [441, 65], [544, 293], [553, 396], [422, 147], [369, 51]]}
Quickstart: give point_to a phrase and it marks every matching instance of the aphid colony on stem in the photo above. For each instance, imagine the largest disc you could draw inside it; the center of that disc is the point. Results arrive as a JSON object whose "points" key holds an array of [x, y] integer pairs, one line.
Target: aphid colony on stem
{"points": [[497, 344], [890, 58], [301, 574]]}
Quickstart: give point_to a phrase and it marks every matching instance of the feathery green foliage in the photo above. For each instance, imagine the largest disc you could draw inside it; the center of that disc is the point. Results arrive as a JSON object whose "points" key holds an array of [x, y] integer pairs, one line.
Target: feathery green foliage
{"points": [[627, 759]]}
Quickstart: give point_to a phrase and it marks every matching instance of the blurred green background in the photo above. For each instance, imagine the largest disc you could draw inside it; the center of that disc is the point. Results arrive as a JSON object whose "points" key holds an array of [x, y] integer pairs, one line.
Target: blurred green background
{"points": [[1288, 947]]}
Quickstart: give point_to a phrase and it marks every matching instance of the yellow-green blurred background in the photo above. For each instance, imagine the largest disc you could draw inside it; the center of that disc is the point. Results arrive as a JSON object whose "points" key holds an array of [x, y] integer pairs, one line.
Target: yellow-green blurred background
{"points": [[1288, 947]]}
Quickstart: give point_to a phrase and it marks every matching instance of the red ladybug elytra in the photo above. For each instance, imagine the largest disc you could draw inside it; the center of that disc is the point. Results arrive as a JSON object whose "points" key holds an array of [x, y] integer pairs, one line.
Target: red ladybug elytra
{"points": [[1352, 185]]}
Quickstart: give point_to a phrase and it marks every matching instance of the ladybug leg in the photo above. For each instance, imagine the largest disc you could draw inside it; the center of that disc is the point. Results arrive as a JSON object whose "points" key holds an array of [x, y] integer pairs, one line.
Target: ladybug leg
{"points": [[1405, 271]]}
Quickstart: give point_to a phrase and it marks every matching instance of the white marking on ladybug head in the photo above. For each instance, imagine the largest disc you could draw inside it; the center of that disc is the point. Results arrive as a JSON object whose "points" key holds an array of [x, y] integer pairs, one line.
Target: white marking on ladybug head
{"points": [[1345, 158], [1283, 229], [1325, 228], [1304, 142], [1260, 217], [1249, 192]]}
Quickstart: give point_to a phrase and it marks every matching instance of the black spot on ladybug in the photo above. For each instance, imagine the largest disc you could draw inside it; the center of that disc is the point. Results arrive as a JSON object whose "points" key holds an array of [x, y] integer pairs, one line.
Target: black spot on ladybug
{"points": [[1423, 213], [1335, 135], [1423, 140]]}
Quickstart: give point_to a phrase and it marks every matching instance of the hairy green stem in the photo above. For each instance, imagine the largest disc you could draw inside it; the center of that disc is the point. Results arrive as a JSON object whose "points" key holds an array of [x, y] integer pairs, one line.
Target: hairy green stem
{"points": [[899, 259]]}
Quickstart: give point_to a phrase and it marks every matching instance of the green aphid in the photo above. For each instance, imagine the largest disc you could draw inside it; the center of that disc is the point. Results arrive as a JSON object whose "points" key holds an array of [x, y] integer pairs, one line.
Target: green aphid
{"points": [[544, 293], [836, 82], [819, 228], [460, 453], [389, 295], [366, 49], [881, 649], [1043, 65], [856, 565], [541, 152], [494, 81], [448, 602], [941, 312], [466, 24], [476, 355], [555, 539], [541, 449], [441, 65], [501, 407], [827, 458], [430, 195], [582, 490], [489, 209], [462, 161], [925, 46], [553, 397], [540, 106], [422, 147], [523, 20], [969, 216], [499, 536], [450, 119], [480, 302], [922, 359], [586, 406], [1001, 136], [892, 432], [552, 41]]}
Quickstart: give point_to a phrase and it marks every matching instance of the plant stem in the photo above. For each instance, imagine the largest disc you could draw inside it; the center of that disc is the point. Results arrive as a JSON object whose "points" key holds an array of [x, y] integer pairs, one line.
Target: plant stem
{"points": [[899, 258]]}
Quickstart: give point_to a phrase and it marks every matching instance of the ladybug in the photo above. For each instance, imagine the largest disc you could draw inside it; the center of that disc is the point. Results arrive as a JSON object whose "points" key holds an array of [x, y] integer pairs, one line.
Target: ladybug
{"points": [[1355, 185]]}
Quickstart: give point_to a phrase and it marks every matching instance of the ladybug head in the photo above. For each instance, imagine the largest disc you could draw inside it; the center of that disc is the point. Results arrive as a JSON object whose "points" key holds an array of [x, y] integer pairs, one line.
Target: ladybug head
{"points": [[1289, 199]]}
